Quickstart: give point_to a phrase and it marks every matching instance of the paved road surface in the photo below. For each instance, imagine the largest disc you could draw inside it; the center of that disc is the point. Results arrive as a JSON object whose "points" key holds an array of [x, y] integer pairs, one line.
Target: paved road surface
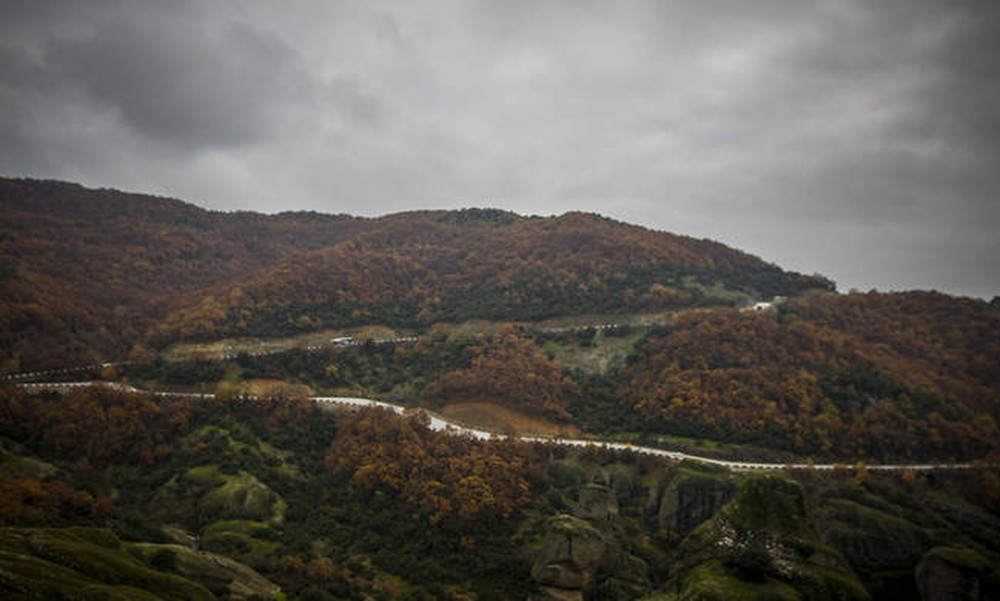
{"points": [[437, 423]]}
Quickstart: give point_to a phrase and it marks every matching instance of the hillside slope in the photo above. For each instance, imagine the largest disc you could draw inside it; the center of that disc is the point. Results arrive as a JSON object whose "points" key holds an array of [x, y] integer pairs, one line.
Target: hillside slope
{"points": [[415, 269], [83, 273], [913, 374], [99, 273]]}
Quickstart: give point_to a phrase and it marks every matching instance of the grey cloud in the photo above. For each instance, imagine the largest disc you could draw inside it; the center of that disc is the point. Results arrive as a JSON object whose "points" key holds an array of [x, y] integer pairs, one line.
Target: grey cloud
{"points": [[184, 81], [817, 135], [178, 76]]}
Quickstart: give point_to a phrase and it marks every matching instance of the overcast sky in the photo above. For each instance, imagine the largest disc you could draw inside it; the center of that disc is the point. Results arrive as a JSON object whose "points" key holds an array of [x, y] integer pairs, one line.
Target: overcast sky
{"points": [[857, 139]]}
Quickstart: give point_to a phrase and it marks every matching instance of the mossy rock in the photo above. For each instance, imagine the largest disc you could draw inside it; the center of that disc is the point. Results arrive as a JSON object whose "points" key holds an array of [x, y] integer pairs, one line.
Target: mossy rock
{"points": [[622, 572], [243, 496], [660, 596], [870, 537], [221, 575], [688, 499], [713, 582], [82, 563], [205, 475], [99, 536], [771, 504], [616, 589], [761, 545], [566, 473], [18, 466], [618, 477], [247, 527], [240, 546]]}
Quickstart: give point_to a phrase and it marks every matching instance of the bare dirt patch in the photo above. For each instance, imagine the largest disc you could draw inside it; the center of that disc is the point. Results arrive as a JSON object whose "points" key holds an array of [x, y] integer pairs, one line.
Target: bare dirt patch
{"points": [[489, 416]]}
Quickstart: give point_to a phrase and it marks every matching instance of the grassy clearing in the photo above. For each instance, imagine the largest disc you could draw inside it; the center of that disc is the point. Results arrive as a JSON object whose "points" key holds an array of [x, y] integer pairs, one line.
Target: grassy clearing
{"points": [[217, 349], [596, 357], [17, 466]]}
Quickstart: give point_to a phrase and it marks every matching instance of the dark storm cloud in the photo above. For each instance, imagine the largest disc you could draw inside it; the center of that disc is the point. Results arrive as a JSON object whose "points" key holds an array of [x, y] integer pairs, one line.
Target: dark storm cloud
{"points": [[176, 79], [858, 139]]}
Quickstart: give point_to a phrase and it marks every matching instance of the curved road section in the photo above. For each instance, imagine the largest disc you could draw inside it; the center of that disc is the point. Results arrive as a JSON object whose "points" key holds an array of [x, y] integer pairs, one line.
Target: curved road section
{"points": [[437, 423]]}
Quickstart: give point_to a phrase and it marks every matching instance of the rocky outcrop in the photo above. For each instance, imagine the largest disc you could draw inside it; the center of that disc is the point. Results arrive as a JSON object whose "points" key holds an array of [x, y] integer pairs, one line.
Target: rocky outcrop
{"points": [[952, 574], [687, 500], [762, 542], [617, 477], [572, 552], [578, 561]]}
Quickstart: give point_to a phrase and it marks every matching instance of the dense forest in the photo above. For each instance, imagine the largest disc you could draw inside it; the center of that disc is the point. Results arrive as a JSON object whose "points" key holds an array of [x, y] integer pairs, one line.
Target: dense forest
{"points": [[88, 274]]}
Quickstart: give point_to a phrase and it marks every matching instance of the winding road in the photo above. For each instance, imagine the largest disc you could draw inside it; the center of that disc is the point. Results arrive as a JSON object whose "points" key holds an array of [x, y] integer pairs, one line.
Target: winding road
{"points": [[437, 423]]}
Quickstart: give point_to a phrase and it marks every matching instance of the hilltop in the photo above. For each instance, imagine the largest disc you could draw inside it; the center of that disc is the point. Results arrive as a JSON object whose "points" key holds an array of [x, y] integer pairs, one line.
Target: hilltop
{"points": [[94, 274]]}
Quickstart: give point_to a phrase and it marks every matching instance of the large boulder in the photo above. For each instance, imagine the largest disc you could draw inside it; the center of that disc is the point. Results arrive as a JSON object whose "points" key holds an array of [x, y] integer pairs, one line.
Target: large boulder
{"points": [[577, 561]]}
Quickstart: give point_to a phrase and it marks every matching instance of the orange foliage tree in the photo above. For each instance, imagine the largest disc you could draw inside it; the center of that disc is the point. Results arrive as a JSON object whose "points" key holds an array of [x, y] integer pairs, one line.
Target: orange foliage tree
{"points": [[445, 475], [96, 423], [26, 501]]}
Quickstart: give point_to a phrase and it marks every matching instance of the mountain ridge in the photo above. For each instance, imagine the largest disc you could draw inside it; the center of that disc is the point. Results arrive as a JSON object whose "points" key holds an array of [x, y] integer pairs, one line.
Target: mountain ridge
{"points": [[153, 270]]}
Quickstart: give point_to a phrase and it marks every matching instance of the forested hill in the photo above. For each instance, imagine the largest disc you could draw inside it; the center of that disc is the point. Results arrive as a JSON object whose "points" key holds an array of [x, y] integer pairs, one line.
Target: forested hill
{"points": [[84, 273], [914, 374], [87, 274], [415, 269]]}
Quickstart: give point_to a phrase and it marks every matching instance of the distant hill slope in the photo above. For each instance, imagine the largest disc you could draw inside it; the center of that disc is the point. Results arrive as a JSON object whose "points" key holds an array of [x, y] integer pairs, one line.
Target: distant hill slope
{"points": [[87, 273], [84, 273], [914, 374], [414, 269]]}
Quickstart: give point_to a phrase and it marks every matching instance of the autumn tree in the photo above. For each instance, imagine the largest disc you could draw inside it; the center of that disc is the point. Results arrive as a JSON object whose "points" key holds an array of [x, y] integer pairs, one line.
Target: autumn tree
{"points": [[868, 375], [96, 423], [509, 370], [445, 475]]}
